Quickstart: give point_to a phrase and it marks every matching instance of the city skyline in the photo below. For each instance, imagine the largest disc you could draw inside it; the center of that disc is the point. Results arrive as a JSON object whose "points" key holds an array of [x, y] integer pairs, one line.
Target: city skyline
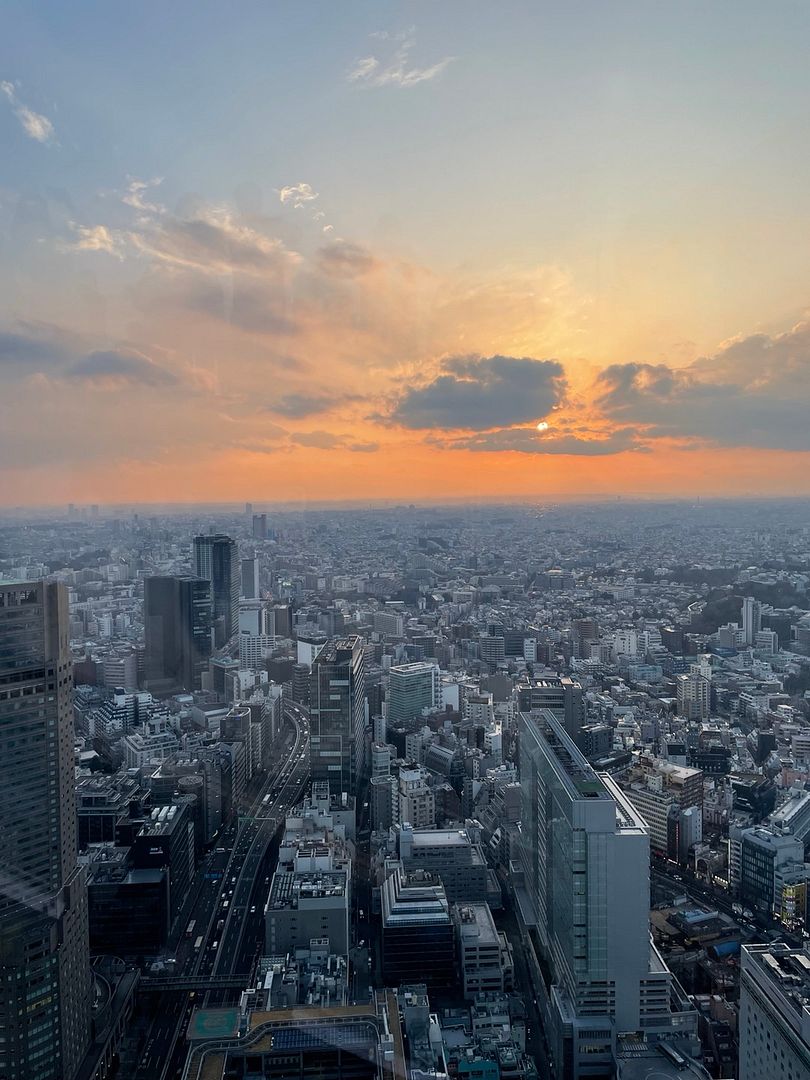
{"points": [[402, 251]]}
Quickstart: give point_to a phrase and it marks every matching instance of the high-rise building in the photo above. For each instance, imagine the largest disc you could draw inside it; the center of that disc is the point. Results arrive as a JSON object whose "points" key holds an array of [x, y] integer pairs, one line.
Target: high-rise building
{"points": [[250, 578], [584, 632], [751, 619], [216, 558], [45, 982], [559, 693], [411, 689], [693, 691], [260, 526], [337, 714], [774, 1013], [177, 626], [584, 900]]}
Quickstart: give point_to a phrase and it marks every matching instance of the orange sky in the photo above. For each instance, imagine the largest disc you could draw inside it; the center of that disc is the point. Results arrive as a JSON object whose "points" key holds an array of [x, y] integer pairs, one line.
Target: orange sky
{"points": [[405, 268]]}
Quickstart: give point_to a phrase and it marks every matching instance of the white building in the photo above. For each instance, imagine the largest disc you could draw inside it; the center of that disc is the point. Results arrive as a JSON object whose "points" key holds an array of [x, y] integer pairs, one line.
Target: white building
{"points": [[774, 1013]]}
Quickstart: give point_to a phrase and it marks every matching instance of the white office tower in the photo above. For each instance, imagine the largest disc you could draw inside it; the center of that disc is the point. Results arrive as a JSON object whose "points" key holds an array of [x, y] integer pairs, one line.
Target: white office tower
{"points": [[257, 632], [751, 619], [583, 891], [774, 1013], [411, 689]]}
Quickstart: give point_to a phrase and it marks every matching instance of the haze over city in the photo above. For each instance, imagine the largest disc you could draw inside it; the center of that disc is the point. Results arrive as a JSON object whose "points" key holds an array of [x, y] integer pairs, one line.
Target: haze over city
{"points": [[402, 250]]}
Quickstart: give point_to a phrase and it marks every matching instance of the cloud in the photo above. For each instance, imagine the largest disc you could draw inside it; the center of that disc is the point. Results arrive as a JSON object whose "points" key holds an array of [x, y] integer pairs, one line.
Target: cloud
{"points": [[251, 306], [20, 351], [322, 440], [112, 367], [32, 354], [297, 406], [528, 440], [396, 69], [752, 393], [478, 393], [35, 125], [328, 440], [97, 238], [134, 195], [341, 258], [213, 241], [297, 194]]}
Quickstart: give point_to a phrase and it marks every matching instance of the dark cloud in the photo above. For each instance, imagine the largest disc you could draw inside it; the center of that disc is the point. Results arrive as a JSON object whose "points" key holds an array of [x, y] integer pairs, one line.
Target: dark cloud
{"points": [[752, 393], [344, 259], [29, 353], [484, 392], [530, 441], [121, 367]]}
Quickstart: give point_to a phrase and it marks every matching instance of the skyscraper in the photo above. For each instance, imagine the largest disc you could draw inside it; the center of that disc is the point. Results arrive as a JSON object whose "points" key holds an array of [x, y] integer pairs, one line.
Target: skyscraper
{"points": [[337, 714], [45, 982], [751, 619], [584, 901], [177, 625], [412, 688], [250, 578], [216, 558], [260, 526]]}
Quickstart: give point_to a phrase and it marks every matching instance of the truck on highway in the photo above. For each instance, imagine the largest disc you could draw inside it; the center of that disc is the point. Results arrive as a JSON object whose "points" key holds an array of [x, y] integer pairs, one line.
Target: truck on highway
{"points": [[198, 943], [190, 928]]}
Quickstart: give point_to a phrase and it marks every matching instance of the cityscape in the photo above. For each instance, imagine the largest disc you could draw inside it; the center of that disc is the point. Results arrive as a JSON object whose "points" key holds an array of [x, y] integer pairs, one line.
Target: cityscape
{"points": [[404, 540], [420, 791]]}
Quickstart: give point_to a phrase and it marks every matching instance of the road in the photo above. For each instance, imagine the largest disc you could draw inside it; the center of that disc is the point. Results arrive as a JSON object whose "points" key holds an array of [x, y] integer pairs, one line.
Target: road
{"points": [[682, 881], [240, 904], [221, 909]]}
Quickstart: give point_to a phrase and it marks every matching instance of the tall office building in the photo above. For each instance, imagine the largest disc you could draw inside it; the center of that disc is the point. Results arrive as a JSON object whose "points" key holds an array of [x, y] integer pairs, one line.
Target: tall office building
{"points": [[45, 983], [177, 625], [260, 526], [774, 1013], [250, 579], [751, 619], [338, 714], [559, 693], [584, 901], [216, 558], [411, 689]]}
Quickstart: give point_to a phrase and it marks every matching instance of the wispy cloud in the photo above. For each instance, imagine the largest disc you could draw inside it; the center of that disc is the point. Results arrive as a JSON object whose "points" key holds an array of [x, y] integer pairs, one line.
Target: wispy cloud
{"points": [[34, 124], [97, 238], [297, 194], [134, 195], [397, 67]]}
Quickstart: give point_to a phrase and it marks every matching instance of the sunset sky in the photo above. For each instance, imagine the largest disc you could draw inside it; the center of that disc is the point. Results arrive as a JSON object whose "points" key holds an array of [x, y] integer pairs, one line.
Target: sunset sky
{"points": [[325, 250]]}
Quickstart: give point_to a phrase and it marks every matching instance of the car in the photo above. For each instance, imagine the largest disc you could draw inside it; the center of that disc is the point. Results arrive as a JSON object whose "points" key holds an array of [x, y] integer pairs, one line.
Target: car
{"points": [[253, 909]]}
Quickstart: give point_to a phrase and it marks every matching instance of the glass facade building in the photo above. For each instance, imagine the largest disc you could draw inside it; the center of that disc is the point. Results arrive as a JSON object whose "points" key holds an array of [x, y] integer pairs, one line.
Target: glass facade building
{"points": [[44, 951]]}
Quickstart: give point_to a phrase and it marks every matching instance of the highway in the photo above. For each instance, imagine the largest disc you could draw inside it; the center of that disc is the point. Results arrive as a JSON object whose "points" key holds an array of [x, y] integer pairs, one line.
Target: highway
{"points": [[242, 902], [231, 876]]}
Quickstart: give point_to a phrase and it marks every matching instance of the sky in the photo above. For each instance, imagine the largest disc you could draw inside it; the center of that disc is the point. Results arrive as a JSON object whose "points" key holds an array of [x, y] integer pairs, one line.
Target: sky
{"points": [[304, 250]]}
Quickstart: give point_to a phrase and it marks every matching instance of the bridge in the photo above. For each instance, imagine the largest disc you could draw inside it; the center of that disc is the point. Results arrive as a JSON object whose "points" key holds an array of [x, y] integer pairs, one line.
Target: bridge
{"points": [[186, 983]]}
